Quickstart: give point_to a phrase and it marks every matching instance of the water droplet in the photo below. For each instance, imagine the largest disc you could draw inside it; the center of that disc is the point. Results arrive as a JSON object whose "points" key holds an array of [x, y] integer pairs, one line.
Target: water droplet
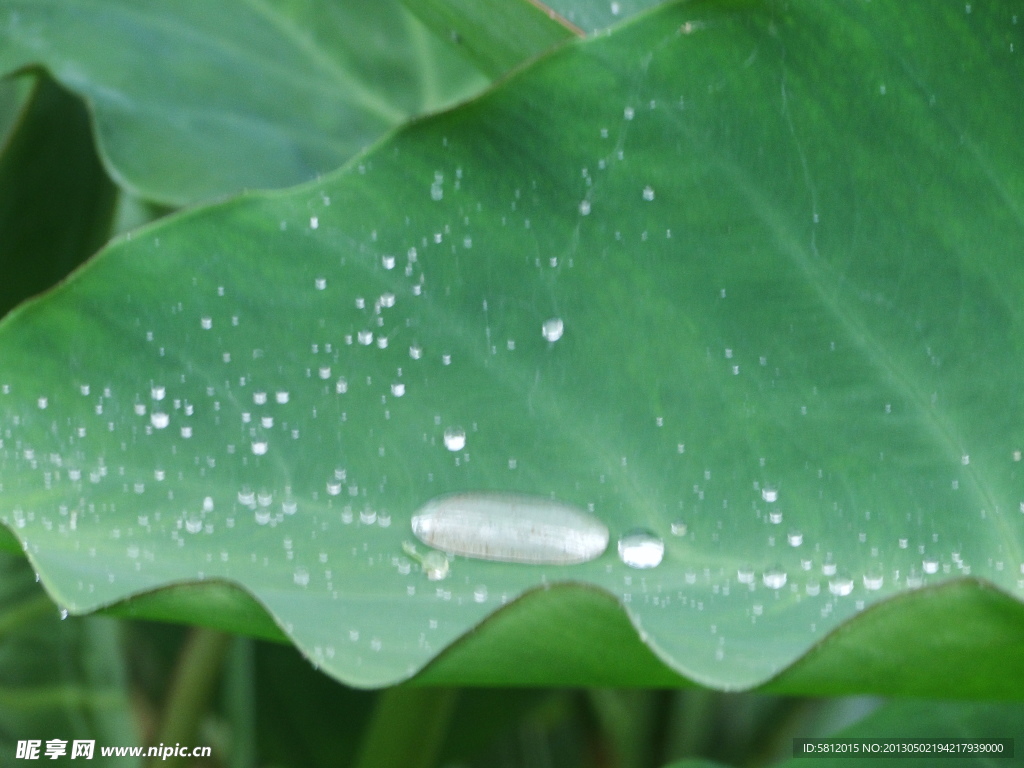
{"points": [[874, 578], [775, 517], [314, 222], [553, 329], [648, 193], [281, 396], [510, 528], [398, 389], [365, 337], [840, 585], [193, 525], [745, 574], [206, 323], [628, 113], [415, 352], [387, 300], [301, 577], [771, 495], [387, 261], [585, 208], [795, 538], [259, 447], [259, 398], [679, 528], [641, 548], [159, 419], [480, 594], [930, 565], [774, 578], [320, 283], [455, 438]]}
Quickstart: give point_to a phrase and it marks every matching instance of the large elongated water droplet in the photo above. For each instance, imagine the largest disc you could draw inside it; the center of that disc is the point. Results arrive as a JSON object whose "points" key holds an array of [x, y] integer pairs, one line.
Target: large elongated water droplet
{"points": [[510, 528]]}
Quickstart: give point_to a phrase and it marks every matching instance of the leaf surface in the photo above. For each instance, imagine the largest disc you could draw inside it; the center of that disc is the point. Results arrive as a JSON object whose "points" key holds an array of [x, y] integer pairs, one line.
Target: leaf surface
{"points": [[786, 299], [195, 100]]}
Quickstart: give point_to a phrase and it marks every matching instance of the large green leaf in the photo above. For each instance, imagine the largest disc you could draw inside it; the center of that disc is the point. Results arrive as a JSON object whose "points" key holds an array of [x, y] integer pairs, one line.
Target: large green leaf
{"points": [[481, 29], [193, 100], [787, 289]]}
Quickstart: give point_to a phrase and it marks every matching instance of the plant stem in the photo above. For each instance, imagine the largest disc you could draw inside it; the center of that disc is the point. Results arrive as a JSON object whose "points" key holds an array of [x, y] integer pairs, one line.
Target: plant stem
{"points": [[408, 728], [195, 679]]}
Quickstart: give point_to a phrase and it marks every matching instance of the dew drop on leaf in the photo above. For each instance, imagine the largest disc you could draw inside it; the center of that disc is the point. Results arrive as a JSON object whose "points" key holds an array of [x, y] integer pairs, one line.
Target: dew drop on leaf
{"points": [[641, 548]]}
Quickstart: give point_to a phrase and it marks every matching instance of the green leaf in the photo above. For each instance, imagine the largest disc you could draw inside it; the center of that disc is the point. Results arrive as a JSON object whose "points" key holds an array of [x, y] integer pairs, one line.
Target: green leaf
{"points": [[786, 289], [596, 15], [56, 202], [481, 29], [198, 100], [61, 679]]}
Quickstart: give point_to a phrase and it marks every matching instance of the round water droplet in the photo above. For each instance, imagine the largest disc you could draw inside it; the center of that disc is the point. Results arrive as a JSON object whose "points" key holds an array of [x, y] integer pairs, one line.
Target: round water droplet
{"points": [[774, 578], [365, 337], [510, 528], [320, 283], [259, 447], [301, 577], [769, 494], [387, 300], [159, 419], [840, 585], [455, 438], [775, 517], [874, 578], [206, 323], [281, 396], [648, 193], [553, 329], [398, 389], [480, 594], [679, 528], [641, 548], [745, 574], [930, 565], [387, 261], [415, 352], [435, 565], [585, 208]]}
